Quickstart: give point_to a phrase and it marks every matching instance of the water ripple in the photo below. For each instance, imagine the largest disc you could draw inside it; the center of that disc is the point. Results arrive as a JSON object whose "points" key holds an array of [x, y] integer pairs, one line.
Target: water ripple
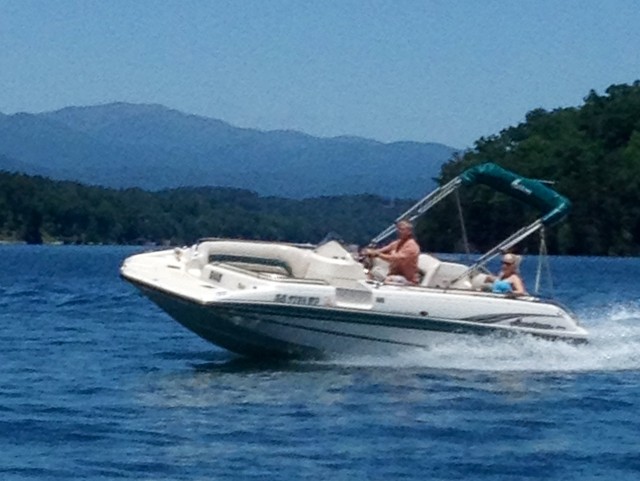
{"points": [[99, 384]]}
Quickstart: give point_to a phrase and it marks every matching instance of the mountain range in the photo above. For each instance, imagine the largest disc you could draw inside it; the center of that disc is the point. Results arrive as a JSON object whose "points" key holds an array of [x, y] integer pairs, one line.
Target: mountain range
{"points": [[153, 147]]}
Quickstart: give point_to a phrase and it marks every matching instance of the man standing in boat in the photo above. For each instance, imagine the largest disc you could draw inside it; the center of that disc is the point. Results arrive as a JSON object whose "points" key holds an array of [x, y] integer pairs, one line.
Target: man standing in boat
{"points": [[401, 254]]}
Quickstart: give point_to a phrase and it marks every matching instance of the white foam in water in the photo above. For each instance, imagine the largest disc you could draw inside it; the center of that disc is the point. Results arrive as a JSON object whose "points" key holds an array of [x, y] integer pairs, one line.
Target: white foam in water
{"points": [[614, 345]]}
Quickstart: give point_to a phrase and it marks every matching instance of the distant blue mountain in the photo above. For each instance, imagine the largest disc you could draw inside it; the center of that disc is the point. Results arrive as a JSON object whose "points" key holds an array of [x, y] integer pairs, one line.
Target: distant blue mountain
{"points": [[153, 147]]}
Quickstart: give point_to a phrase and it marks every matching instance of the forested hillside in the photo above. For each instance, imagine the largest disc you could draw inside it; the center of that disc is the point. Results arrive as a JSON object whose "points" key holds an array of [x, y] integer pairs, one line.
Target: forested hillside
{"points": [[35, 209], [591, 153]]}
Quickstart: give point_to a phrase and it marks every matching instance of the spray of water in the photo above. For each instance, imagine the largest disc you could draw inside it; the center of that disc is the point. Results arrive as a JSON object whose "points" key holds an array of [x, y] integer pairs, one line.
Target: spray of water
{"points": [[614, 345]]}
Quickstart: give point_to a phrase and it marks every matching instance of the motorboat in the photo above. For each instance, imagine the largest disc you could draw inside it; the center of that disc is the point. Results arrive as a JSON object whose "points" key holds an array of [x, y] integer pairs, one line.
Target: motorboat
{"points": [[275, 299]]}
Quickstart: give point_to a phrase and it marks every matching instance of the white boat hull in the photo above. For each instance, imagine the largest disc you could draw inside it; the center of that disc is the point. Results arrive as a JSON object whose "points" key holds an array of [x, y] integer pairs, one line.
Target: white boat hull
{"points": [[267, 315], [265, 330]]}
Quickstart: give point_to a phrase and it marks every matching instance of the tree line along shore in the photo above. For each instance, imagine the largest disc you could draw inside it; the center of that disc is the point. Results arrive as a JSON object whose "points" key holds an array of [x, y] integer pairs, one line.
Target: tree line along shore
{"points": [[591, 154]]}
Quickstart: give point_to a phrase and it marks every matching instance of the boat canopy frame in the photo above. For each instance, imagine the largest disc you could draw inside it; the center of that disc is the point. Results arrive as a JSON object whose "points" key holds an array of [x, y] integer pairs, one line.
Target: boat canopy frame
{"points": [[554, 206]]}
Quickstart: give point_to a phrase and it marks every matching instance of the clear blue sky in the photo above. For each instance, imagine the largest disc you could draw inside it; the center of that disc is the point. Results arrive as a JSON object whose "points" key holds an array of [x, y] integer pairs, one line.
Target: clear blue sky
{"points": [[445, 71]]}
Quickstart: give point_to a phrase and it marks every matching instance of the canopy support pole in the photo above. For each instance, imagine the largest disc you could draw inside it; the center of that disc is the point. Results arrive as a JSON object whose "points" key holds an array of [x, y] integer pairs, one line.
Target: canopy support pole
{"points": [[420, 208], [500, 248], [543, 258], [463, 229]]}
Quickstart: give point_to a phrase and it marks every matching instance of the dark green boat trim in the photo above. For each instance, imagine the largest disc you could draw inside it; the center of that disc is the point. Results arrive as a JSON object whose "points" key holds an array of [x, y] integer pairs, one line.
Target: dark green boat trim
{"points": [[246, 341], [473, 325]]}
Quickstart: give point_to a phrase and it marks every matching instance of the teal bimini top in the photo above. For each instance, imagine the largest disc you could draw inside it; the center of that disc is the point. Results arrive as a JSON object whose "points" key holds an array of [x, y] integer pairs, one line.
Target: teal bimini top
{"points": [[554, 206]]}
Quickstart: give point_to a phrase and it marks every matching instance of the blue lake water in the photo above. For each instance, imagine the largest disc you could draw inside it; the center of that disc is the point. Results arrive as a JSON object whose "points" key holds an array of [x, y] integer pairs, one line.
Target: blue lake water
{"points": [[97, 383]]}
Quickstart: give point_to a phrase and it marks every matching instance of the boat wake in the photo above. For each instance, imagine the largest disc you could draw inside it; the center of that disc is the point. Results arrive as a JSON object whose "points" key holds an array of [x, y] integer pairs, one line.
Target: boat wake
{"points": [[614, 345]]}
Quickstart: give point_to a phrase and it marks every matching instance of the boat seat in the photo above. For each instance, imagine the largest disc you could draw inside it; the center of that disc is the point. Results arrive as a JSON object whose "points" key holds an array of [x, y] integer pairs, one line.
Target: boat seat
{"points": [[427, 266], [259, 256], [332, 263], [446, 273], [439, 274], [479, 282], [333, 250]]}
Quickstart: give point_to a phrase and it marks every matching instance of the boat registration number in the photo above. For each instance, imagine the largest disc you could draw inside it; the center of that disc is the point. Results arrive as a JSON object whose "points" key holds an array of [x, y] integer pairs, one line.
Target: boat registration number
{"points": [[298, 300]]}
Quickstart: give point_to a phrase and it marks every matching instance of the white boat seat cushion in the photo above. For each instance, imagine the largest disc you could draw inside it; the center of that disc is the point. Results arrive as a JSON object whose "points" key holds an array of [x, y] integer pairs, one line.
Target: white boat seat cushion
{"points": [[428, 266]]}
